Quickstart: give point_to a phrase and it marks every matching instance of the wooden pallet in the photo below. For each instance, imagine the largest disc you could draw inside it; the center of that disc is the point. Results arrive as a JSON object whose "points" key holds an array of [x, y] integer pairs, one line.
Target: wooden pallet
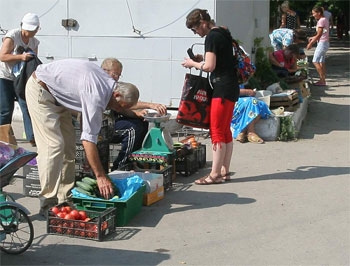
{"points": [[289, 102]]}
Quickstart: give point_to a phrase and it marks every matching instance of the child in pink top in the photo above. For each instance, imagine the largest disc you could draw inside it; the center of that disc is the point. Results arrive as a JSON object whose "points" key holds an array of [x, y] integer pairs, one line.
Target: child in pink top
{"points": [[322, 39]]}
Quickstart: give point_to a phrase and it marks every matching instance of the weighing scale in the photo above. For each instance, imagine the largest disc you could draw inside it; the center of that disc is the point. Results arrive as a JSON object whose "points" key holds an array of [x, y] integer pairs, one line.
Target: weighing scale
{"points": [[157, 147]]}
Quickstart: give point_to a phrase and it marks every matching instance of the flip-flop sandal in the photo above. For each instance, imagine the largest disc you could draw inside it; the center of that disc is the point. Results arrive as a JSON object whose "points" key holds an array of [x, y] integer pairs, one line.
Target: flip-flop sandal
{"points": [[227, 176], [319, 84], [208, 180], [242, 137], [254, 138]]}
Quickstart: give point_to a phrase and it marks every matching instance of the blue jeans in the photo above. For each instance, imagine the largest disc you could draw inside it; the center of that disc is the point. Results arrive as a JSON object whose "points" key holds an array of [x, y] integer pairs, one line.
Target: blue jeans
{"points": [[7, 105], [130, 132]]}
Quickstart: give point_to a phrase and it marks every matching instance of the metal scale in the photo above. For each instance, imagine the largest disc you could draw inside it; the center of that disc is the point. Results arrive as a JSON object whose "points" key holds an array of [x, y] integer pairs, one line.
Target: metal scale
{"points": [[157, 147]]}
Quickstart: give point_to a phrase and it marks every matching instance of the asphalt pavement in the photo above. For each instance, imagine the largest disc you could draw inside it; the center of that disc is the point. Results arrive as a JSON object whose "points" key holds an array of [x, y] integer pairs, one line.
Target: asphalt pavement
{"points": [[288, 202]]}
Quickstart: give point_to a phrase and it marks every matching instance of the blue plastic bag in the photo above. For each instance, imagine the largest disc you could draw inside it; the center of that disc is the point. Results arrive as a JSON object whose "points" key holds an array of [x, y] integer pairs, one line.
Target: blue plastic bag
{"points": [[126, 186]]}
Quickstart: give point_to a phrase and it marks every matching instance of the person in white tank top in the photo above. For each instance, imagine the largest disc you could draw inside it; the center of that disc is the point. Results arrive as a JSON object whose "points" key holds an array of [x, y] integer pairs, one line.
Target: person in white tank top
{"points": [[13, 50]]}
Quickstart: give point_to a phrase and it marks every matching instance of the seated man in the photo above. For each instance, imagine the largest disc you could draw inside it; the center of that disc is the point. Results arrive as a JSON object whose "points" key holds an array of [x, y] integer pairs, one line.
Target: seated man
{"points": [[130, 132], [284, 62]]}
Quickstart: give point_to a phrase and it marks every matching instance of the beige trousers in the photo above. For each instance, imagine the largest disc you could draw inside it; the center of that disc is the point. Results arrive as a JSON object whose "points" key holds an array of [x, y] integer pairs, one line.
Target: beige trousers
{"points": [[55, 139]]}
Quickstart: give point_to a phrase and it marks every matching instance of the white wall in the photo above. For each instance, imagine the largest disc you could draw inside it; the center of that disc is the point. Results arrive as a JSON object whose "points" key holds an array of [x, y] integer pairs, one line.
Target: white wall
{"points": [[152, 53]]}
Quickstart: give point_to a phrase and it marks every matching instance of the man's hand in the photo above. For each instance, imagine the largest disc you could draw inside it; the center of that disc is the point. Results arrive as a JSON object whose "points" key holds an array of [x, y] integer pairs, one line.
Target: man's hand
{"points": [[106, 187], [160, 108], [141, 113]]}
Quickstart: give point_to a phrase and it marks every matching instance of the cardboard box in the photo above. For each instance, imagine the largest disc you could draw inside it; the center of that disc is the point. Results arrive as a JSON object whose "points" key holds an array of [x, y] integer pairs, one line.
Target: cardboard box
{"points": [[31, 172], [31, 187], [289, 100], [301, 86], [167, 172], [153, 197], [7, 135], [152, 181]]}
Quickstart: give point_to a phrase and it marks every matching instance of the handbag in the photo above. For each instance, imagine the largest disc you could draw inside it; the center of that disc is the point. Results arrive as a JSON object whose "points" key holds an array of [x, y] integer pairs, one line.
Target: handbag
{"points": [[194, 108]]}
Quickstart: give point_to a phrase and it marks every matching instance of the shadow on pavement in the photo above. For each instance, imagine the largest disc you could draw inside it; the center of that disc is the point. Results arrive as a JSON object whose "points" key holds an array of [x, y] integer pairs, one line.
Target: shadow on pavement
{"points": [[325, 117], [84, 255], [300, 173], [183, 200]]}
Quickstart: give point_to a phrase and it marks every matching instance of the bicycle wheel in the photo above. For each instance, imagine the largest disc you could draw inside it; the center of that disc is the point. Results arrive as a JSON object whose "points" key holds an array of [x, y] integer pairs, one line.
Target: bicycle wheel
{"points": [[18, 227]]}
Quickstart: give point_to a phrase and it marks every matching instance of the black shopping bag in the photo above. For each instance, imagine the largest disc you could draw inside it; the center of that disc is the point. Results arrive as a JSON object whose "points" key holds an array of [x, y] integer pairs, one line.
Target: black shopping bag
{"points": [[194, 108]]}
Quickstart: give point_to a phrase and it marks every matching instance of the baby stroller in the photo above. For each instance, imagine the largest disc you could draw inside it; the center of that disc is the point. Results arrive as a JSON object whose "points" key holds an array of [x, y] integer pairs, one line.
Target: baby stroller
{"points": [[16, 228]]}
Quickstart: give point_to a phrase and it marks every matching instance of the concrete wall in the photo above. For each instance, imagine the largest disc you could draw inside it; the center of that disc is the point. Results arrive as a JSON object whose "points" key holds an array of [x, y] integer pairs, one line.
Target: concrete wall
{"points": [[148, 36]]}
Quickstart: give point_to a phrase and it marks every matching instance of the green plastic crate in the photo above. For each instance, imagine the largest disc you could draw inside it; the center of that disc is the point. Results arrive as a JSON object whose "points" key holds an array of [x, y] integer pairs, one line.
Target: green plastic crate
{"points": [[125, 210]]}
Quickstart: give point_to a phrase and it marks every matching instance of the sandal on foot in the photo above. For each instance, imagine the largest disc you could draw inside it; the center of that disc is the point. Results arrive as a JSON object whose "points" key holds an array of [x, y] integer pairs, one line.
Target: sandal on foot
{"points": [[227, 176], [242, 137], [319, 83], [208, 180], [254, 138]]}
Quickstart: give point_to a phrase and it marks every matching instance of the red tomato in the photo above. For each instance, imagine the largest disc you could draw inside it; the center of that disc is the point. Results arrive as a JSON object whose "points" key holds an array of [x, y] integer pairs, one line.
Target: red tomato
{"points": [[61, 214], [76, 224], [87, 219], [65, 224], [59, 224], [63, 209], [68, 209], [94, 228], [83, 215], [69, 217], [91, 235], [55, 210], [104, 226], [76, 214]]}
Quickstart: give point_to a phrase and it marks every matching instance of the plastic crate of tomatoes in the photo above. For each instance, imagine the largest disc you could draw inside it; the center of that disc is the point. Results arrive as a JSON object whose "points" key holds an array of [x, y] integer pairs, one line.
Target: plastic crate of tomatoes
{"points": [[65, 220]]}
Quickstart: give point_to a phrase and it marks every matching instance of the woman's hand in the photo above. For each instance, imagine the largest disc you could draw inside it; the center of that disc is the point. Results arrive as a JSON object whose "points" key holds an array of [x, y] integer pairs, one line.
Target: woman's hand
{"points": [[188, 63], [26, 56], [251, 93], [247, 92]]}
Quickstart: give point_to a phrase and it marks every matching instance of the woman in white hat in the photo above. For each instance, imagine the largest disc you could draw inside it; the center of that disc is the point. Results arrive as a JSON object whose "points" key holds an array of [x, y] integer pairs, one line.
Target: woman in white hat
{"points": [[15, 46]]}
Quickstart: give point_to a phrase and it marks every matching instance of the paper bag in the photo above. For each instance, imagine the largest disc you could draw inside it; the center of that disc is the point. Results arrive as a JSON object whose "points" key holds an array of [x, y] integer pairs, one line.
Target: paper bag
{"points": [[7, 135]]}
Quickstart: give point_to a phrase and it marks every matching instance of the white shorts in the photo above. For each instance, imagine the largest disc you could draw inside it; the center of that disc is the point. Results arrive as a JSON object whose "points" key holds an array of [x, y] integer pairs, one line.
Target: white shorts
{"points": [[320, 52]]}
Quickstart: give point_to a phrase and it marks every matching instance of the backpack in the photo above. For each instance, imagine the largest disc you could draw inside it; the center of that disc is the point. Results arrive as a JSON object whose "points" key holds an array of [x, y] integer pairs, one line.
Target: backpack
{"points": [[245, 67]]}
